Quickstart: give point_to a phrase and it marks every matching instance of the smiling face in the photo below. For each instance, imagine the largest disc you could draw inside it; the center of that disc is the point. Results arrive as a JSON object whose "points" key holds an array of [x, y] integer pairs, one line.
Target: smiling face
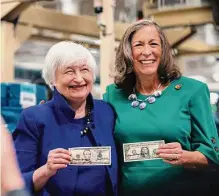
{"points": [[146, 51], [74, 82]]}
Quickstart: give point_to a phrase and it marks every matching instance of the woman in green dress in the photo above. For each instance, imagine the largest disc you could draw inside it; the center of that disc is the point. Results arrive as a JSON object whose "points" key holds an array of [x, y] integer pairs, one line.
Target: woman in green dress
{"points": [[170, 113]]}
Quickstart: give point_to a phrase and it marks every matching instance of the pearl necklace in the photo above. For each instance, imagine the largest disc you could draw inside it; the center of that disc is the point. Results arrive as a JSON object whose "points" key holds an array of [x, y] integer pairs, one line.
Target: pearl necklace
{"points": [[86, 129], [142, 103]]}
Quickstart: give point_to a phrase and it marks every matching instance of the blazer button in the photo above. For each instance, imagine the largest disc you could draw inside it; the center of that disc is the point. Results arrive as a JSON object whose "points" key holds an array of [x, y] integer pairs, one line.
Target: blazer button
{"points": [[216, 149], [93, 126], [213, 140]]}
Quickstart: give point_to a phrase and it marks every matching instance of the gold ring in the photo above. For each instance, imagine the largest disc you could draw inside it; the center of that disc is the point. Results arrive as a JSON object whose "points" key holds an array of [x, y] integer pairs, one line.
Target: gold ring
{"points": [[176, 157]]}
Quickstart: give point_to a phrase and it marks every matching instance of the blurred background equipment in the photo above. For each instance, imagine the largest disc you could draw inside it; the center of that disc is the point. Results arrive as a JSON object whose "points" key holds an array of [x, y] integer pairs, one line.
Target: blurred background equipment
{"points": [[16, 96]]}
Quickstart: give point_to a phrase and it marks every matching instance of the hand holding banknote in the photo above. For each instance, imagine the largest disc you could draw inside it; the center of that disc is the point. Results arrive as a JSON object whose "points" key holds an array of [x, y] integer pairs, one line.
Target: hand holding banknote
{"points": [[171, 153], [57, 159], [174, 154]]}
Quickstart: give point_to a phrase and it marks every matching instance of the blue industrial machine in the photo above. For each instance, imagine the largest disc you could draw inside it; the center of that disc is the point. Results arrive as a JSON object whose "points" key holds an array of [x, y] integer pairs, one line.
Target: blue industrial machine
{"points": [[17, 96]]}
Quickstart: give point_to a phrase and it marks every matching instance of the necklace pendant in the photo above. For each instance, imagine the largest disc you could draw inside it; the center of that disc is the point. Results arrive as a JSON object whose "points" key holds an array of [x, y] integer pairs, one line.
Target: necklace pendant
{"points": [[142, 105], [151, 100], [132, 97], [134, 104], [157, 93]]}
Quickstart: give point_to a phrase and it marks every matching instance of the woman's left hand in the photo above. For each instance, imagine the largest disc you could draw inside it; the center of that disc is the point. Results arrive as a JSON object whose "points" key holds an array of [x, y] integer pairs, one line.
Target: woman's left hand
{"points": [[172, 153]]}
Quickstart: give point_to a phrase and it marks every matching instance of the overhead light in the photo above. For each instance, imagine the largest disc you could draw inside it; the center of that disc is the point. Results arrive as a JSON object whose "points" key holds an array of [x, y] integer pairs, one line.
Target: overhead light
{"points": [[93, 51], [98, 42]]}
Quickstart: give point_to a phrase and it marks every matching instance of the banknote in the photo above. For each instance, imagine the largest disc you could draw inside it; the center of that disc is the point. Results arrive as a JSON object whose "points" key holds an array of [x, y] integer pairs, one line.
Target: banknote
{"points": [[141, 151], [90, 155]]}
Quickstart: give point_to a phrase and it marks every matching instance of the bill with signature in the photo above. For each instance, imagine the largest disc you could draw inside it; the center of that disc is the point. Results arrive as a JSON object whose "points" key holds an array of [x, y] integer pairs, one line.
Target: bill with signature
{"points": [[141, 151], [90, 155]]}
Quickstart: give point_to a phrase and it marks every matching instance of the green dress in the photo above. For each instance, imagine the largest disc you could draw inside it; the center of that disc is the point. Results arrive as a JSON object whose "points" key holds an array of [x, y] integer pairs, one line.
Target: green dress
{"points": [[179, 115]]}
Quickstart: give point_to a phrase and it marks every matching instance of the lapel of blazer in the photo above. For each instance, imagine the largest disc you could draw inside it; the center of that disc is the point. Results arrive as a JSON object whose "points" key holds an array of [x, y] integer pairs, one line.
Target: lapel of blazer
{"points": [[96, 127], [65, 117]]}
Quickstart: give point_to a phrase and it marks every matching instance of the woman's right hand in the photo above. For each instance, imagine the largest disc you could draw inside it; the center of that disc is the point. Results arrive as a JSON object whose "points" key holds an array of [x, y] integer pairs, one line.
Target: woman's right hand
{"points": [[57, 159]]}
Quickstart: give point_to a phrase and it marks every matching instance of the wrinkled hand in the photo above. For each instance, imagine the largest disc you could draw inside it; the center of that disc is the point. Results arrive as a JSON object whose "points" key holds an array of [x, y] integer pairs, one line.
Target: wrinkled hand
{"points": [[57, 159], [172, 153]]}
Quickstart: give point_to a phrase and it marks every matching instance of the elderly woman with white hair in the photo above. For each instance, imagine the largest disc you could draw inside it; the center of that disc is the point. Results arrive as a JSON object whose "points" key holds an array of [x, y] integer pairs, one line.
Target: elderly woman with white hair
{"points": [[50, 138]]}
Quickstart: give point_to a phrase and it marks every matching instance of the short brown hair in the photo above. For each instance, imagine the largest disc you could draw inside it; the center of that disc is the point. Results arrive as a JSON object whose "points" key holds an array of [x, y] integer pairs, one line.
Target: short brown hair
{"points": [[124, 76]]}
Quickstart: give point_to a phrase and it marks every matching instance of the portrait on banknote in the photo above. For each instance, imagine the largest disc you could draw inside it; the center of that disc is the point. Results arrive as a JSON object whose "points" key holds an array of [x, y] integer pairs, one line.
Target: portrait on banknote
{"points": [[90, 155], [141, 151], [145, 152]]}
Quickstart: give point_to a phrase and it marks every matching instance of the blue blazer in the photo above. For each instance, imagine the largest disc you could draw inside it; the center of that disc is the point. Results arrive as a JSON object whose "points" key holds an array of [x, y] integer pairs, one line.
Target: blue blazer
{"points": [[42, 128]]}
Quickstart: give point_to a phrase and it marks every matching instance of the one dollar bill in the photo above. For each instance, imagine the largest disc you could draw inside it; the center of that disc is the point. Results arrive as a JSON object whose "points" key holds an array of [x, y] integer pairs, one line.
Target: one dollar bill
{"points": [[90, 155], [141, 151]]}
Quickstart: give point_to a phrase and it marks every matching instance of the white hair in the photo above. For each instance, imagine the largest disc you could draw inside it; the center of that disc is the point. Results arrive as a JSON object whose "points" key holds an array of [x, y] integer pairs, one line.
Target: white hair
{"points": [[63, 54]]}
